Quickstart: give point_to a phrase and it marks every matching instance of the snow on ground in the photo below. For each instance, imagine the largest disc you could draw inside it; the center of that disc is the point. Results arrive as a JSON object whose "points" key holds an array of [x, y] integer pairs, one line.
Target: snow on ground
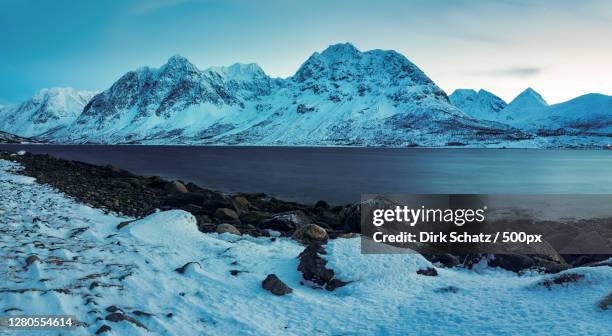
{"points": [[86, 265]]}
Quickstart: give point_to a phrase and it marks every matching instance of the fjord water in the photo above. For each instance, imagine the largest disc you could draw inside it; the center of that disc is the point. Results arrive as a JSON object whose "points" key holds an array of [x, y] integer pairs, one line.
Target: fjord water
{"points": [[341, 175]]}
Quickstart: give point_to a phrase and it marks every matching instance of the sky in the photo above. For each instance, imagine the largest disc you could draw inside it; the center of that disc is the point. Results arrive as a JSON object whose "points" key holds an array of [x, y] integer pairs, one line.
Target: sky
{"points": [[560, 48]]}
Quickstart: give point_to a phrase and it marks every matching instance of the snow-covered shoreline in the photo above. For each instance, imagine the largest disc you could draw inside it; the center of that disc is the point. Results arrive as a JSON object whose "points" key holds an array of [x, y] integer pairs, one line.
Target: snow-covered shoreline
{"points": [[84, 266]]}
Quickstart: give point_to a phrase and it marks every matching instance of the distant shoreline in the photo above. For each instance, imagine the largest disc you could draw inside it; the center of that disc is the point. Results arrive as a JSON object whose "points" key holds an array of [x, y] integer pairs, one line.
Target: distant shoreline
{"points": [[306, 146]]}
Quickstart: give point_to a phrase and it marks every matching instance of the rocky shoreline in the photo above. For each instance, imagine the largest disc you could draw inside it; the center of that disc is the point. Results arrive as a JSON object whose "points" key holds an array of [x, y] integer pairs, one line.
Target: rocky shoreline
{"points": [[119, 191]]}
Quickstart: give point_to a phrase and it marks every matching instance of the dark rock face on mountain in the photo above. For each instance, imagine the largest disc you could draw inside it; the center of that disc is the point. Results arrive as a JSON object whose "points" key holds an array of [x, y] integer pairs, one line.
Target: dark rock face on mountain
{"points": [[161, 93], [341, 96]]}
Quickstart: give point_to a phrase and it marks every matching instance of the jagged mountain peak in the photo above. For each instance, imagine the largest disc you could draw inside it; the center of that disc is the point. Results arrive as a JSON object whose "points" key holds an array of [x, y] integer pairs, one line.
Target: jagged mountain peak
{"points": [[240, 71], [59, 95], [342, 51], [487, 93], [178, 65], [58, 101], [178, 61], [529, 97], [343, 67], [528, 105], [465, 92], [478, 104], [48, 108]]}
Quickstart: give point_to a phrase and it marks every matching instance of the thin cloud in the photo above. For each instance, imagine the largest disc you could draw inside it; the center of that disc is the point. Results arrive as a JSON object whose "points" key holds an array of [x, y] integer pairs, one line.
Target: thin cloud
{"points": [[509, 72], [478, 37]]}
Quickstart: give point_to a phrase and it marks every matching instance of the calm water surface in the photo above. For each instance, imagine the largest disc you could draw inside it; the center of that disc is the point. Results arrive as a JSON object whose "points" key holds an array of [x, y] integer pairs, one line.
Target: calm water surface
{"points": [[341, 175]]}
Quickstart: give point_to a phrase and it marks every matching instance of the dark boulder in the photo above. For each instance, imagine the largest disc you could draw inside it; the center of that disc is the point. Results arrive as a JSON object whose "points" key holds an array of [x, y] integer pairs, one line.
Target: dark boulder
{"points": [[30, 260], [213, 200], [287, 221], [335, 283], [273, 284], [562, 279], [193, 209], [156, 182], [606, 303], [184, 199], [309, 234], [226, 215], [115, 317], [446, 260], [312, 267], [184, 268], [227, 228], [512, 262], [577, 260], [242, 204], [350, 218], [104, 328], [175, 187], [255, 217], [550, 266], [113, 309], [321, 205], [124, 224], [429, 271]]}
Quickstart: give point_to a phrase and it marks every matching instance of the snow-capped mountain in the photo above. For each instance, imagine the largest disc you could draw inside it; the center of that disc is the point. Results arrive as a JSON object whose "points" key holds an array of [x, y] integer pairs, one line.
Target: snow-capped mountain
{"points": [[48, 109], [585, 121], [341, 96], [587, 115], [526, 106], [482, 104]]}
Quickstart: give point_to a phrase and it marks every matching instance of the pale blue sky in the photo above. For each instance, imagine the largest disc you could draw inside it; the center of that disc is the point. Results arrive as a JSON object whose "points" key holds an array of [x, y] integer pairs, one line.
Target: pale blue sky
{"points": [[560, 48]]}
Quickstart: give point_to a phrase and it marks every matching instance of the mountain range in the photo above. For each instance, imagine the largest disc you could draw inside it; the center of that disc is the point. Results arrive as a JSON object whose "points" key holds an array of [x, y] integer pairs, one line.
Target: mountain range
{"points": [[338, 97], [585, 121]]}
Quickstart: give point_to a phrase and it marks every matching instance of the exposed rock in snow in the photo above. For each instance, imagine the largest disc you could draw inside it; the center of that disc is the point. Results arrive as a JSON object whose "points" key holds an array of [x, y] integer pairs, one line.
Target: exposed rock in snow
{"points": [[606, 303], [275, 285]]}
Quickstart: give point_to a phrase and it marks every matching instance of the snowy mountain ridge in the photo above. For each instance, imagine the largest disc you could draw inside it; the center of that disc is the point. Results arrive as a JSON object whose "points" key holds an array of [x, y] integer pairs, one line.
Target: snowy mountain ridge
{"points": [[583, 121], [48, 109], [338, 97], [482, 104], [341, 96]]}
